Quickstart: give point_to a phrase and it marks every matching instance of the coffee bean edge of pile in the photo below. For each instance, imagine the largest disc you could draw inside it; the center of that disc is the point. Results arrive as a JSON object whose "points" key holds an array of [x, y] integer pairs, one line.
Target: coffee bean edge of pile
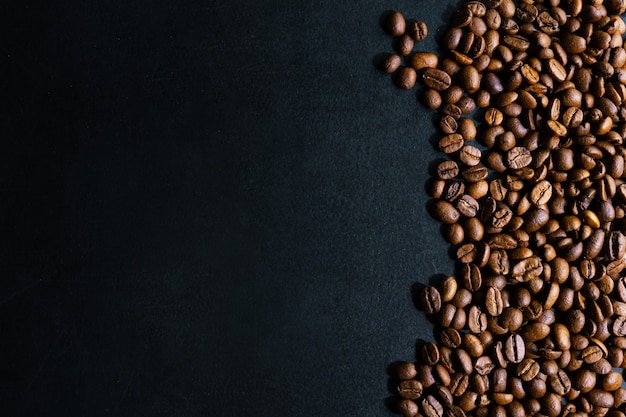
{"points": [[531, 98]]}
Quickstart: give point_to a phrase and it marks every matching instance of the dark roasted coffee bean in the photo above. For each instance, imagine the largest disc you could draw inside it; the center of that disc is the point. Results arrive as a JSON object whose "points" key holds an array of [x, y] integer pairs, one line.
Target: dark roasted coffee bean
{"points": [[527, 369], [515, 349], [448, 124], [467, 205], [392, 63], [410, 389], [430, 299], [447, 170], [444, 212], [418, 30], [406, 78], [436, 79], [451, 143], [493, 301], [431, 407], [396, 24]]}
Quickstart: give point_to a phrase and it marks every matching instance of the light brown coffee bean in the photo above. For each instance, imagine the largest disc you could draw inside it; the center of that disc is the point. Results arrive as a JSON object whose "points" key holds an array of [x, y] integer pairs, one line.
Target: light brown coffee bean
{"points": [[451, 143]]}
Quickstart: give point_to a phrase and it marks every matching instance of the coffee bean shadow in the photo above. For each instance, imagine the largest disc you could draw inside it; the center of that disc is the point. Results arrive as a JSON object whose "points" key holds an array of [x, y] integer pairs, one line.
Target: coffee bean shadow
{"points": [[382, 20], [379, 60]]}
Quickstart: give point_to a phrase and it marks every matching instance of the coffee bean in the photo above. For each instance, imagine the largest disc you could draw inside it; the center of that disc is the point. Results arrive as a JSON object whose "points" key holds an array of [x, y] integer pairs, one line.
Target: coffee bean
{"points": [[411, 389], [527, 369], [421, 60], [436, 79], [429, 353], [514, 348], [518, 157], [591, 354], [467, 205], [406, 78], [418, 30], [447, 170], [444, 212], [619, 326], [431, 407], [493, 301], [396, 24], [407, 408], [470, 155], [533, 332], [430, 299], [405, 45], [448, 124], [451, 143]]}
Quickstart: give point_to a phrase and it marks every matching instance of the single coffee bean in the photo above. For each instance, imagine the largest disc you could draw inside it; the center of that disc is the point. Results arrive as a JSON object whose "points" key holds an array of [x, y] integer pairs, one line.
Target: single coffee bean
{"points": [[405, 45], [519, 157], [527, 369], [560, 383], [467, 205], [418, 30], [619, 326], [447, 170], [406, 78], [392, 63], [514, 348], [444, 212], [470, 155], [405, 370], [448, 124], [407, 408], [396, 24], [493, 301], [533, 332], [431, 407], [436, 79], [541, 193], [430, 299], [411, 389], [451, 143], [429, 353], [477, 320], [421, 60], [591, 354]]}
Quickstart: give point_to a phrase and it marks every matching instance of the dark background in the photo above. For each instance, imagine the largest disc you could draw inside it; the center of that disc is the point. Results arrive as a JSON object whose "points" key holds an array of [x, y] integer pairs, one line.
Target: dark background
{"points": [[209, 208]]}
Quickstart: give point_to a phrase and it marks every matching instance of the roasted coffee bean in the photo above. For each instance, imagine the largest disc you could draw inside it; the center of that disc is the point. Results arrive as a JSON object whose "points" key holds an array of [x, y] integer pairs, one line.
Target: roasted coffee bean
{"points": [[436, 79], [396, 24], [406, 78], [430, 299], [448, 124], [405, 45], [429, 353], [493, 301], [447, 170], [467, 205], [431, 407], [444, 212], [407, 408], [470, 155], [514, 348], [418, 30], [451, 143], [527, 369], [410, 389], [392, 63]]}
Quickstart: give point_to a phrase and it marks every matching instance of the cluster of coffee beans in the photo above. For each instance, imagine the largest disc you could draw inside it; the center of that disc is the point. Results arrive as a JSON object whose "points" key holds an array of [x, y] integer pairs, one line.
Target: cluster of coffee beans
{"points": [[531, 97], [405, 34]]}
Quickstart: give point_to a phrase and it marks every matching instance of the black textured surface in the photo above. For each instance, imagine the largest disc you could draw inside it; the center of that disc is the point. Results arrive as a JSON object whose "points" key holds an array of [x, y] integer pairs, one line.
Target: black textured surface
{"points": [[209, 208]]}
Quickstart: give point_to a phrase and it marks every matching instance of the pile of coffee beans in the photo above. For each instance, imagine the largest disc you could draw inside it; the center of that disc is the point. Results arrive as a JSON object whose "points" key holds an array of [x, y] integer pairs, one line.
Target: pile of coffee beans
{"points": [[531, 98]]}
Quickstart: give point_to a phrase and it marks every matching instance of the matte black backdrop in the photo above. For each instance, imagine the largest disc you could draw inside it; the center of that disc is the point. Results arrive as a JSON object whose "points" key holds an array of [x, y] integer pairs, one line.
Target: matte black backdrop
{"points": [[209, 208]]}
